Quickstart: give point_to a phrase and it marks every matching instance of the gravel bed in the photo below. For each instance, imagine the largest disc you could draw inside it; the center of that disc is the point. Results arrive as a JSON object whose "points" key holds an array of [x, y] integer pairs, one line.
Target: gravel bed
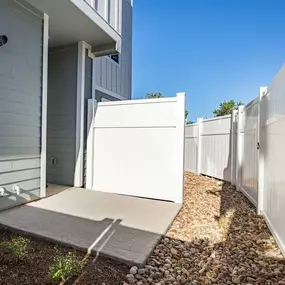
{"points": [[217, 238]]}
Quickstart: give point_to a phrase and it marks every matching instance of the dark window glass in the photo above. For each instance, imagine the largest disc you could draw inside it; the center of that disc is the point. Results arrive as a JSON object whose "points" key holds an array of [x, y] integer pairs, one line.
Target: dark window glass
{"points": [[115, 57]]}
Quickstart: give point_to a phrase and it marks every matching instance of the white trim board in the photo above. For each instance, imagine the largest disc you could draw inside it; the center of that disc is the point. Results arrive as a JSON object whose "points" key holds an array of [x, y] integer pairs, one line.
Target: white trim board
{"points": [[79, 144], [44, 105], [79, 148]]}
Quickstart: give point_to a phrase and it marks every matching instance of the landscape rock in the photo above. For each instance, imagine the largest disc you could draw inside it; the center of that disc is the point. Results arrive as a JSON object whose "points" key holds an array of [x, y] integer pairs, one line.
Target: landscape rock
{"points": [[217, 238], [134, 270]]}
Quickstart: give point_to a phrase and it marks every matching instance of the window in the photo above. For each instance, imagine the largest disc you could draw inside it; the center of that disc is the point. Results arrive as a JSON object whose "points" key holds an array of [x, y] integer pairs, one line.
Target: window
{"points": [[115, 57]]}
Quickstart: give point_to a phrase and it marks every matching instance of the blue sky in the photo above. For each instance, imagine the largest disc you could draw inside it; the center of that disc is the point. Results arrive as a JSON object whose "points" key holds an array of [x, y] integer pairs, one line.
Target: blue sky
{"points": [[214, 50]]}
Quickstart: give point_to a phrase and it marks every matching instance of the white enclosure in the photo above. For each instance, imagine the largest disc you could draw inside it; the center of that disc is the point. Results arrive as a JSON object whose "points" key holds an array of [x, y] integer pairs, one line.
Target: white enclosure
{"points": [[137, 148]]}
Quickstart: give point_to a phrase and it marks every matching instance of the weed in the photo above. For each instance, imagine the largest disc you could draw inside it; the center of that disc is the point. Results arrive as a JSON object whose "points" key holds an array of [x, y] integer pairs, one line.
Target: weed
{"points": [[64, 268], [18, 246]]}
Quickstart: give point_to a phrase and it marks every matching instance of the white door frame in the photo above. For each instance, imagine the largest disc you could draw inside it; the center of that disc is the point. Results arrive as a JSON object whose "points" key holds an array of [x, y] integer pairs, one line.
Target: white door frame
{"points": [[44, 105], [79, 148]]}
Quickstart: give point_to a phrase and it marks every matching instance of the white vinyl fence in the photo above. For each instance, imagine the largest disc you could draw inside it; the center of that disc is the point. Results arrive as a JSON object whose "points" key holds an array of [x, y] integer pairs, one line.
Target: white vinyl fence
{"points": [[136, 147], [247, 148], [207, 147]]}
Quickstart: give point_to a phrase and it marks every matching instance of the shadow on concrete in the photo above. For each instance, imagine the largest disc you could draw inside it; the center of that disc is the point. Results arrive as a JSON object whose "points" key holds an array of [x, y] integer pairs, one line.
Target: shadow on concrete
{"points": [[103, 233]]}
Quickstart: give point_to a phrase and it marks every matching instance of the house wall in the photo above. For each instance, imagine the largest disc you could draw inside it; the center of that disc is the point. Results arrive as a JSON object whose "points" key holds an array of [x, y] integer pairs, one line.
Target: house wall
{"points": [[61, 115], [113, 77], [20, 102]]}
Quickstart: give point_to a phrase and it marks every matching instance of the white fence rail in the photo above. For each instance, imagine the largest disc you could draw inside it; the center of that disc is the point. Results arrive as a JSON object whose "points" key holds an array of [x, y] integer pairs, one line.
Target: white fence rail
{"points": [[136, 147], [247, 148]]}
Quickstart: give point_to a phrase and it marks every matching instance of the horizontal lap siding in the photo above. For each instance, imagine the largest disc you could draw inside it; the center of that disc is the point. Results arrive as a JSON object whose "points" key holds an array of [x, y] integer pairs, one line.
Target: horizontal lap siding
{"points": [[61, 121], [20, 103]]}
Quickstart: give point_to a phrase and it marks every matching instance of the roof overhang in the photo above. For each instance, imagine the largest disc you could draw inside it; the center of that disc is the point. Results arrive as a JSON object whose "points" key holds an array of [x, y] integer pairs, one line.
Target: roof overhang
{"points": [[75, 20]]}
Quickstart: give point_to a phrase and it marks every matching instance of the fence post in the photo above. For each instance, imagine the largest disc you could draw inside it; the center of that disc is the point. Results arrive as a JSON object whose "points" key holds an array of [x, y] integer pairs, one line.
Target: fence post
{"points": [[199, 144], [240, 145], [260, 147], [181, 142], [232, 150]]}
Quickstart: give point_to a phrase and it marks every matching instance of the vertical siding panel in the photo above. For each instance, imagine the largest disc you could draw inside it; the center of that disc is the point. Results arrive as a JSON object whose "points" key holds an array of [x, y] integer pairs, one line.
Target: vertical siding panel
{"points": [[109, 75], [113, 77], [98, 71], [103, 73], [119, 83]]}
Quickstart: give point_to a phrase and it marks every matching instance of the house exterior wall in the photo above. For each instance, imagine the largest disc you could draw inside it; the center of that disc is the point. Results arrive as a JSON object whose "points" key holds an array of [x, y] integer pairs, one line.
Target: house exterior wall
{"points": [[111, 77], [20, 103], [61, 114]]}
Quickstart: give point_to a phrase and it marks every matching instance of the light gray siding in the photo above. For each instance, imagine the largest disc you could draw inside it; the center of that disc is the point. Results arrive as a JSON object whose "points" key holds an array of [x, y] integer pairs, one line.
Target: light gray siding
{"points": [[61, 115], [115, 77], [20, 102]]}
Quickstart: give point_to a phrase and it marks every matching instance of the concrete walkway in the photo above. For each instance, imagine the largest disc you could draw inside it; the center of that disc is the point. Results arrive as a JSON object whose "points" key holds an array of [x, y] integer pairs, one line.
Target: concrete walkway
{"points": [[121, 227]]}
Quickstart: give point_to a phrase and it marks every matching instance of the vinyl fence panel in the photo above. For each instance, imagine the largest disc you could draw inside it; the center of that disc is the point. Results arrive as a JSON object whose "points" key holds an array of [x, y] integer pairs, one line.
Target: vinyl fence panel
{"points": [[216, 147], [249, 167], [272, 146], [191, 141], [137, 148], [247, 149]]}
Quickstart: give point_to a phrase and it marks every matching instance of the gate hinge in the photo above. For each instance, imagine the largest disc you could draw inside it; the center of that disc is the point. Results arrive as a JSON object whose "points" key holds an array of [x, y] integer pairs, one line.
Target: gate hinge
{"points": [[258, 145]]}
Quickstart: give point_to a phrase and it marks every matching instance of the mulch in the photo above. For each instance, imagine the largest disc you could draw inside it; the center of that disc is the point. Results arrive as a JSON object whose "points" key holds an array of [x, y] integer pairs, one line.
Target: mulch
{"points": [[34, 269]]}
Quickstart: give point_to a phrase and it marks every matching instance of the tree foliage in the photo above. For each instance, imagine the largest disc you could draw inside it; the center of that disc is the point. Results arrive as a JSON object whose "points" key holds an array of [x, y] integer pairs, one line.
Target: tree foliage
{"points": [[226, 108], [154, 95]]}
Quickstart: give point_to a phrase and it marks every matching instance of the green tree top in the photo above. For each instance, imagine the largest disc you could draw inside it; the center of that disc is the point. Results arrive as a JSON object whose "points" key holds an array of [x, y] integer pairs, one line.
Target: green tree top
{"points": [[226, 108], [154, 95]]}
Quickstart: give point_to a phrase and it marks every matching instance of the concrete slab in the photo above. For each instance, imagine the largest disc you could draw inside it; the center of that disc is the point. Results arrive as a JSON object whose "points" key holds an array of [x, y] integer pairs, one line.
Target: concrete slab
{"points": [[121, 227], [53, 189]]}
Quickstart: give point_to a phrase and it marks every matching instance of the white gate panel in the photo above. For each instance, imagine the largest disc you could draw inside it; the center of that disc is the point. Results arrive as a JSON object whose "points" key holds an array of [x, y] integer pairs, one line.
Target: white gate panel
{"points": [[138, 148], [249, 169]]}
